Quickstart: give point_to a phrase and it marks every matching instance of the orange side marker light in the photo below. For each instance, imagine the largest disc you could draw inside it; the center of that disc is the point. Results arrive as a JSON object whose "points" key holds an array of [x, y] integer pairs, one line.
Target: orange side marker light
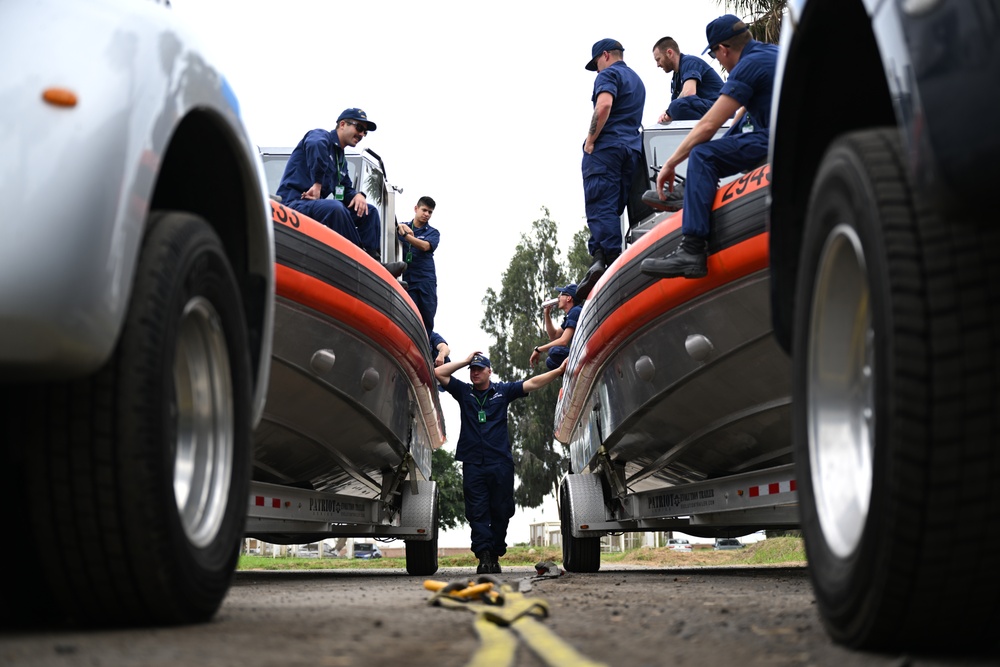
{"points": [[60, 97]]}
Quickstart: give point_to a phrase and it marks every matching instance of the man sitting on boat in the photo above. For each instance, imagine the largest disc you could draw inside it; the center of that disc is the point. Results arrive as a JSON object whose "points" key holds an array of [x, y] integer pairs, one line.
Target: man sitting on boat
{"points": [[561, 336], [317, 169], [694, 85], [751, 66]]}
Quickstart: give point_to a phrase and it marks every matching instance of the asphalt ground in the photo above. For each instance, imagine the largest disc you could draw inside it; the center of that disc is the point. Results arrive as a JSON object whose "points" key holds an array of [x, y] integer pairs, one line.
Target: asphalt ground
{"points": [[622, 615]]}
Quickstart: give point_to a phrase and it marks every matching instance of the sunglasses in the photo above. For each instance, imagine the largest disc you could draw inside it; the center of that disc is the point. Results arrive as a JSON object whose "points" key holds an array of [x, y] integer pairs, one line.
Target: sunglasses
{"points": [[712, 50], [361, 127]]}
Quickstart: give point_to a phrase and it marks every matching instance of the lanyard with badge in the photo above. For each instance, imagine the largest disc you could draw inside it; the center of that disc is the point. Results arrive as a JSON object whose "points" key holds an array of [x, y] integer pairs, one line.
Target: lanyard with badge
{"points": [[409, 259], [482, 406], [338, 191]]}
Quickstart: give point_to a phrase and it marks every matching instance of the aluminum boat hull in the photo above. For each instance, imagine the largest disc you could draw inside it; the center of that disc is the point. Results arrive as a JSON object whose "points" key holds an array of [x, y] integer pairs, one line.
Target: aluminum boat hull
{"points": [[680, 380], [352, 397]]}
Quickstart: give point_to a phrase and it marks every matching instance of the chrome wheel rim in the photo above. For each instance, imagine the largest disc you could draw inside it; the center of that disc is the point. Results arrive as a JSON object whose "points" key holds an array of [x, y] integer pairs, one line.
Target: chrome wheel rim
{"points": [[203, 460], [840, 390]]}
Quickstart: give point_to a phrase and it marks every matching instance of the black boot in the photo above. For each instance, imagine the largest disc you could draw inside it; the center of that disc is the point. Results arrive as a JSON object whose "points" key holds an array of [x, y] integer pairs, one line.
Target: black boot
{"points": [[395, 269], [495, 569], [673, 202], [689, 259], [486, 560], [593, 274]]}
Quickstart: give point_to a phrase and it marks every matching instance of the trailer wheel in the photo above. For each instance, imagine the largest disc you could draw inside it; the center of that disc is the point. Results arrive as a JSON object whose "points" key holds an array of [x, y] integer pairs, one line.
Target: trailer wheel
{"points": [[137, 477], [580, 554], [895, 407], [422, 555]]}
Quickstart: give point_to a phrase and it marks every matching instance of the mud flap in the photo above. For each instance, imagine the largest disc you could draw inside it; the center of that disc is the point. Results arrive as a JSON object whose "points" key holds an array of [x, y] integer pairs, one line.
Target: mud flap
{"points": [[417, 509], [585, 498]]}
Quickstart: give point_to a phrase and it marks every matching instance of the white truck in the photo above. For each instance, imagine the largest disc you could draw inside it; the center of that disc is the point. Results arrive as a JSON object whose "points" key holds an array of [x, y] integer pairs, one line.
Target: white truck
{"points": [[136, 308], [884, 253]]}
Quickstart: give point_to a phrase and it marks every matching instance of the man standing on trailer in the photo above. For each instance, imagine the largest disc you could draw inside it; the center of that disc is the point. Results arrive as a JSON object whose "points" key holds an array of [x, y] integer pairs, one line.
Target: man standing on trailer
{"points": [[421, 241], [611, 152], [560, 337]]}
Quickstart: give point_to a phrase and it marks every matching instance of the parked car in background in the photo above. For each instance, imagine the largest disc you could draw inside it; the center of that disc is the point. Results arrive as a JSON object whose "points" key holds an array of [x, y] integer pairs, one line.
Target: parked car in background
{"points": [[366, 550], [313, 550], [675, 544], [727, 544], [136, 314]]}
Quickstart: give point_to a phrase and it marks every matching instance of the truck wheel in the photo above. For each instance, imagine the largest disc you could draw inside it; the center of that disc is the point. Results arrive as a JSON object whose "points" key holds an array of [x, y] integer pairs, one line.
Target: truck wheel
{"points": [[895, 415], [422, 555], [580, 554], [137, 477]]}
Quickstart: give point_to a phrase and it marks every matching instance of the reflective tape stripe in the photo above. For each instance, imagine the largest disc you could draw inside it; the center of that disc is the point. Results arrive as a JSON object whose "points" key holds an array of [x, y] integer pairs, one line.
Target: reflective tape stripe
{"points": [[772, 489]]}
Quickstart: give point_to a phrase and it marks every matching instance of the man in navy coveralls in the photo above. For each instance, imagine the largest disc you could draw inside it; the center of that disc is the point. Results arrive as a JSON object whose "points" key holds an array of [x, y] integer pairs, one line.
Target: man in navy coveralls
{"points": [[421, 241], [484, 450], [317, 168], [559, 337], [694, 86], [611, 153]]}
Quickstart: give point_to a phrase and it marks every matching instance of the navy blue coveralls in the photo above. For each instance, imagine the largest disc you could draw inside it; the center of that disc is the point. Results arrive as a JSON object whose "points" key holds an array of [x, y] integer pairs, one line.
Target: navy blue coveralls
{"points": [[487, 463], [436, 339], [559, 353], [421, 278], [750, 84], [693, 107], [607, 172], [318, 158]]}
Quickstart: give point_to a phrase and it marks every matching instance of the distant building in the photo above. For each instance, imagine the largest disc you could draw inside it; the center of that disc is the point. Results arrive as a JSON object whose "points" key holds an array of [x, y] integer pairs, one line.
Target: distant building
{"points": [[545, 534]]}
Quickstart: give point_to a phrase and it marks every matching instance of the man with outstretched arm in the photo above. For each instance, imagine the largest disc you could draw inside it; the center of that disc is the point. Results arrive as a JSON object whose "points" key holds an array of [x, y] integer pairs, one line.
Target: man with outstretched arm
{"points": [[751, 66], [484, 450]]}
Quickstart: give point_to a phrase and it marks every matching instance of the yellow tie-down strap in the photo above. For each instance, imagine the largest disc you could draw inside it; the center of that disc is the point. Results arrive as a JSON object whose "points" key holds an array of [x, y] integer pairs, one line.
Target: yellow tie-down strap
{"points": [[502, 616]]}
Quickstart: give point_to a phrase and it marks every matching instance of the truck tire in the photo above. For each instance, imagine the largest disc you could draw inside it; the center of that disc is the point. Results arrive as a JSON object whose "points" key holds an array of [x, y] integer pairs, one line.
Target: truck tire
{"points": [[580, 554], [895, 407], [422, 555], [136, 478]]}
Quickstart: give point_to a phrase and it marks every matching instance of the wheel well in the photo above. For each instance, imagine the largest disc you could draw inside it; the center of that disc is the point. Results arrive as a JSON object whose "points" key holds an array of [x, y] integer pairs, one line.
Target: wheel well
{"points": [[203, 172], [833, 82]]}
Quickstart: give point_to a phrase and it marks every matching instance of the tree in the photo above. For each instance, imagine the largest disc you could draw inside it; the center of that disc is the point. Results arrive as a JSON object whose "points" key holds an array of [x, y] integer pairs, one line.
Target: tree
{"points": [[579, 257], [451, 501], [764, 17], [514, 319]]}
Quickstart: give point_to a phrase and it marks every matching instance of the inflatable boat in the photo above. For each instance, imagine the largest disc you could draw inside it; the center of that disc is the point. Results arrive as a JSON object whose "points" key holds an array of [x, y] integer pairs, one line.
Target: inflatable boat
{"points": [[352, 413], [676, 401]]}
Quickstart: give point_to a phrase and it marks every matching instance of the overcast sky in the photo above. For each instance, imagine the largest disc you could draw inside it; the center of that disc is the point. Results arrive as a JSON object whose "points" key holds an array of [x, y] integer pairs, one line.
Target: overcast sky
{"points": [[482, 106]]}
